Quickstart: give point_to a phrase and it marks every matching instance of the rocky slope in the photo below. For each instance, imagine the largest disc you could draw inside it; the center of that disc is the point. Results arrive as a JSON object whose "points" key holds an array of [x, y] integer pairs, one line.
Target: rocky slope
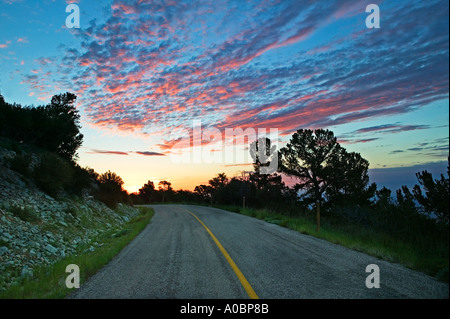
{"points": [[36, 229]]}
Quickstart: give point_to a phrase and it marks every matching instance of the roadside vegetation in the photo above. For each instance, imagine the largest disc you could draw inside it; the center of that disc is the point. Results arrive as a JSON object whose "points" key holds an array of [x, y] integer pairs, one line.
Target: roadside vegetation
{"points": [[45, 140], [40, 144], [428, 255], [333, 197], [50, 281]]}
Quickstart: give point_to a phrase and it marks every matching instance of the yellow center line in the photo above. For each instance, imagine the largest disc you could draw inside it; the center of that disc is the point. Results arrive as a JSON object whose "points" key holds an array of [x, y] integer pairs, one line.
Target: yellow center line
{"points": [[248, 288]]}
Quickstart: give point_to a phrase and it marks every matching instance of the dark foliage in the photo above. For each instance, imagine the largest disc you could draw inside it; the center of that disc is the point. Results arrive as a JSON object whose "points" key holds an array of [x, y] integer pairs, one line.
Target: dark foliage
{"points": [[50, 136], [54, 127], [110, 189], [435, 195]]}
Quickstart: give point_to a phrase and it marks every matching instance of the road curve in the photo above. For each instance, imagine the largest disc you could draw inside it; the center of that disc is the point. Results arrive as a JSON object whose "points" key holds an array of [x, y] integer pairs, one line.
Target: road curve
{"points": [[178, 255]]}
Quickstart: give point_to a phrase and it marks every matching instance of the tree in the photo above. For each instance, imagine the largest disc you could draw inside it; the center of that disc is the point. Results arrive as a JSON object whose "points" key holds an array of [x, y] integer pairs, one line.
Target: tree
{"points": [[219, 181], [405, 200], [204, 192], [436, 197], [268, 190], [307, 156], [111, 179], [65, 120], [52, 174], [164, 187], [110, 189], [348, 179], [54, 127], [147, 192], [217, 185]]}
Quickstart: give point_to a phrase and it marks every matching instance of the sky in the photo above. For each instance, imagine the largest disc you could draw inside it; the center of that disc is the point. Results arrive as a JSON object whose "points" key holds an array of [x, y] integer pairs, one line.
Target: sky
{"points": [[148, 74]]}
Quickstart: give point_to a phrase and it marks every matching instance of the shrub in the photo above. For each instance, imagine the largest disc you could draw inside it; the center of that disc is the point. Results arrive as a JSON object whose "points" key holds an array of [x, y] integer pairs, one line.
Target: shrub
{"points": [[52, 174], [110, 190], [81, 180], [21, 164], [26, 214]]}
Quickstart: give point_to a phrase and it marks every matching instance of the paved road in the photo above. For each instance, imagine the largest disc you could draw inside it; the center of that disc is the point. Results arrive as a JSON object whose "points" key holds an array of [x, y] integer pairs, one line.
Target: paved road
{"points": [[176, 257]]}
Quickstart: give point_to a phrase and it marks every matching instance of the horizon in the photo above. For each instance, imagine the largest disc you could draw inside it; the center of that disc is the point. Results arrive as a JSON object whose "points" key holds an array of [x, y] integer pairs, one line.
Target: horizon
{"points": [[144, 71]]}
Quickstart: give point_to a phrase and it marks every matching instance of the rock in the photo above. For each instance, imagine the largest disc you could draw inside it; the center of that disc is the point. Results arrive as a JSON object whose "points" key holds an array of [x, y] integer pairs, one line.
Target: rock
{"points": [[52, 250], [62, 223], [3, 250], [24, 245], [90, 249], [26, 271], [4, 239], [7, 236]]}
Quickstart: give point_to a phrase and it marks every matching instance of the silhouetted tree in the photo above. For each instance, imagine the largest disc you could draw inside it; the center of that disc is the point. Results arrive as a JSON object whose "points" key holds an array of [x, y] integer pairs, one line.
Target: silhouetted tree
{"points": [[165, 187], [184, 196], [307, 156], [203, 192], [110, 189], [405, 200], [147, 192], [436, 197], [219, 181], [348, 179], [217, 185], [82, 181], [65, 120], [54, 127], [52, 174]]}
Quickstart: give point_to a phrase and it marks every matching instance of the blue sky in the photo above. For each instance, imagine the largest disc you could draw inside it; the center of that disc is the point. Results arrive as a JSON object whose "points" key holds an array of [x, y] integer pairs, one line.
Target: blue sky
{"points": [[144, 69]]}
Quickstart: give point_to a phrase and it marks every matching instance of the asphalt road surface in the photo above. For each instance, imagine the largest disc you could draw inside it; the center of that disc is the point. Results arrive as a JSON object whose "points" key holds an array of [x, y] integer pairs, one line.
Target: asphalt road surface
{"points": [[202, 252]]}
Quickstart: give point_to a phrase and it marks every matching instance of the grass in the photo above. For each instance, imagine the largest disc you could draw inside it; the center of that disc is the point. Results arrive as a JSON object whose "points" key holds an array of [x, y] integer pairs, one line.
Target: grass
{"points": [[26, 214], [431, 258], [49, 282]]}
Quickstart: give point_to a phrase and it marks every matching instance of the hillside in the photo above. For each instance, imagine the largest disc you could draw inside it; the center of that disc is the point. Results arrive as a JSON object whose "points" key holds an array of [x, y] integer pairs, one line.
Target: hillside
{"points": [[38, 230]]}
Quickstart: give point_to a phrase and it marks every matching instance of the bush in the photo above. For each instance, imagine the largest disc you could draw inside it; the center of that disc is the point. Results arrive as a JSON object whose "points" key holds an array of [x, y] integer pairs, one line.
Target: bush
{"points": [[21, 164], [52, 174], [26, 214], [110, 190], [81, 180]]}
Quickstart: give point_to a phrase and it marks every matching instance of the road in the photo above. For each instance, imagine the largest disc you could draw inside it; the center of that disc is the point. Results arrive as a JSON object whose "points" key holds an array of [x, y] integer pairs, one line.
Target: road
{"points": [[202, 252]]}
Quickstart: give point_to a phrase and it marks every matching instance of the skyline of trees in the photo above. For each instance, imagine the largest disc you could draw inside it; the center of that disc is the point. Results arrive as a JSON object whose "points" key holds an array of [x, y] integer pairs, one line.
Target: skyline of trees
{"points": [[54, 127], [327, 175]]}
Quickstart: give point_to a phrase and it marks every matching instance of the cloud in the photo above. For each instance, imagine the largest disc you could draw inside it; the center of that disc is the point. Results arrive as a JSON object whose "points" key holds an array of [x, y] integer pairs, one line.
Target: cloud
{"points": [[11, 1], [146, 153], [391, 128], [435, 148], [106, 152], [355, 141], [396, 151], [5, 45], [154, 66]]}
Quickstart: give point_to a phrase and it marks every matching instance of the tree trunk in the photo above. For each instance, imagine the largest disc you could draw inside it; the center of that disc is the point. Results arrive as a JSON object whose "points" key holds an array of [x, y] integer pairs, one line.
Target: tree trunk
{"points": [[318, 215]]}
